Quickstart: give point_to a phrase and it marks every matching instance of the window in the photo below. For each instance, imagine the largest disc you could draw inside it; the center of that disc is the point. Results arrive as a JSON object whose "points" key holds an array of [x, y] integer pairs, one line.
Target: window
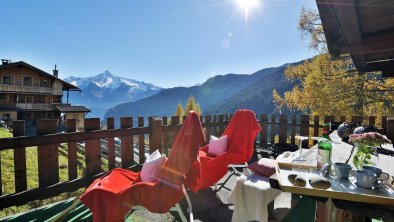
{"points": [[3, 97], [28, 115], [49, 99], [8, 80], [27, 81], [44, 83], [49, 115], [29, 99], [6, 116]]}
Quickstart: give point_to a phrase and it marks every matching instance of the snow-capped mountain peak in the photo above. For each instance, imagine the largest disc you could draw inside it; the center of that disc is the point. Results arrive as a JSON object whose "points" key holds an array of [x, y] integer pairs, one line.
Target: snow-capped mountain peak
{"points": [[106, 90]]}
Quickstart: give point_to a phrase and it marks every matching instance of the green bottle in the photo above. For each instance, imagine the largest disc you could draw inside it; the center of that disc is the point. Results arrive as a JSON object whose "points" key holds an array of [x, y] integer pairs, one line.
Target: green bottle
{"points": [[324, 147]]}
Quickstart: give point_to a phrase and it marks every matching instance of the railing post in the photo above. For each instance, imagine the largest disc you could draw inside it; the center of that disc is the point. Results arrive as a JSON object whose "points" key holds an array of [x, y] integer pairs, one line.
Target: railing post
{"points": [[111, 144], [71, 125], [127, 145], [316, 127], [208, 128], [92, 148], [48, 157], [157, 132], [141, 141], [273, 123], [293, 128], [19, 158], [304, 129], [221, 125], [283, 128], [390, 128], [264, 130]]}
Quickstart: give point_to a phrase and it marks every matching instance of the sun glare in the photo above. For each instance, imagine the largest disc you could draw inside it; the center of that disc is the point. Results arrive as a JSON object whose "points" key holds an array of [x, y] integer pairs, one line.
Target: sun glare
{"points": [[247, 5]]}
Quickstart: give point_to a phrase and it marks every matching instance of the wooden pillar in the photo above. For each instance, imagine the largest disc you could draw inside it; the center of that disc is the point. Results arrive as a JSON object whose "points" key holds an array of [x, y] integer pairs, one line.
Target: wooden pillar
{"points": [[48, 158], [390, 128], [293, 128], [357, 119], [174, 134], [371, 120], [157, 132], [92, 148], [71, 126], [283, 128], [264, 130], [384, 125], [208, 128], [127, 146], [273, 123], [19, 158], [316, 127], [304, 129], [221, 125], [141, 141], [111, 144]]}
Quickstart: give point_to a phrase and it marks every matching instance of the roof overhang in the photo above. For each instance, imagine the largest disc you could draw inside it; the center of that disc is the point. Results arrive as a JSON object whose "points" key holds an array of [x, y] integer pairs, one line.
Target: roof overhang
{"points": [[362, 28]]}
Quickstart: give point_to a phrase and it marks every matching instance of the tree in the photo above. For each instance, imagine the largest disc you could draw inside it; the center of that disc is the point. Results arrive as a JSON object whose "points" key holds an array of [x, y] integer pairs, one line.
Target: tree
{"points": [[332, 87], [179, 110], [310, 26], [190, 105]]}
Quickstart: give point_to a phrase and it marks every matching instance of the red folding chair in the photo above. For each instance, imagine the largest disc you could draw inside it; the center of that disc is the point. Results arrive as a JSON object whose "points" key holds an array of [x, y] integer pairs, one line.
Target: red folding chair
{"points": [[113, 196], [241, 132]]}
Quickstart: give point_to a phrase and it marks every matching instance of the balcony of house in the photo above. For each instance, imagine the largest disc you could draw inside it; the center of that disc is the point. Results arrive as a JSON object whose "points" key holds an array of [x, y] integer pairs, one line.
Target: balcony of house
{"points": [[36, 106], [70, 161], [30, 89]]}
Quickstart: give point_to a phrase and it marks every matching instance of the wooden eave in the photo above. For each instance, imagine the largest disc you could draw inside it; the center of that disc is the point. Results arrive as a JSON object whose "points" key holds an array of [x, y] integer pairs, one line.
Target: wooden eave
{"points": [[362, 28]]}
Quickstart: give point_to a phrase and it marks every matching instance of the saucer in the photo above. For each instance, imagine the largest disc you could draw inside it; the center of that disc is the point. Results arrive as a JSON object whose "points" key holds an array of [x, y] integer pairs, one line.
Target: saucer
{"points": [[372, 188]]}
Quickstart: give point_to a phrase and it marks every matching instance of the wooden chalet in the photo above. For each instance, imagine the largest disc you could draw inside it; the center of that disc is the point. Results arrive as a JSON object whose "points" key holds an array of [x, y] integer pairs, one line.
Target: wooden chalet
{"points": [[28, 93]]}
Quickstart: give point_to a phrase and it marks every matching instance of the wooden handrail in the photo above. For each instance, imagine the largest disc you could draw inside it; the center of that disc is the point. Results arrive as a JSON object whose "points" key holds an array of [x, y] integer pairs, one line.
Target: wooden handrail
{"points": [[161, 131]]}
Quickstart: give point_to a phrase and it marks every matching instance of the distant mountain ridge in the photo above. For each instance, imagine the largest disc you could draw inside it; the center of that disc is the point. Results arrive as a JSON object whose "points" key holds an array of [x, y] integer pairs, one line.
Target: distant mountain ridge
{"points": [[219, 94], [107, 90]]}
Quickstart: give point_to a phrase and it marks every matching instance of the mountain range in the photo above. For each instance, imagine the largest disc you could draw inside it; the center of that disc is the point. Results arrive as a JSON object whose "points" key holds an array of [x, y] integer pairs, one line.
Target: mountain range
{"points": [[218, 95], [105, 90]]}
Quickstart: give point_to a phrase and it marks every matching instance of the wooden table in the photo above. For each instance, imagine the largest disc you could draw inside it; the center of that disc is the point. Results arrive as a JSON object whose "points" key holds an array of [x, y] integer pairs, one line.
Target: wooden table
{"points": [[340, 189]]}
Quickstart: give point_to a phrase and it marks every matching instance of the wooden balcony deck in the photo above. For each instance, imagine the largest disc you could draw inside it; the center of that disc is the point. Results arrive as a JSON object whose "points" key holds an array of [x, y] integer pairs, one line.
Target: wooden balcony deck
{"points": [[207, 206], [144, 138]]}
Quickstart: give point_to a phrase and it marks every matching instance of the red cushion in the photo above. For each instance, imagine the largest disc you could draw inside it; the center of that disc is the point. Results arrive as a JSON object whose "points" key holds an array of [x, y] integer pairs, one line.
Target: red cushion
{"points": [[264, 167]]}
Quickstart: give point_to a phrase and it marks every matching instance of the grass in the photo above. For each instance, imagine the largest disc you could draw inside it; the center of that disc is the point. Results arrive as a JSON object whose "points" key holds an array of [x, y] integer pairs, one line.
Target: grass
{"points": [[8, 180]]}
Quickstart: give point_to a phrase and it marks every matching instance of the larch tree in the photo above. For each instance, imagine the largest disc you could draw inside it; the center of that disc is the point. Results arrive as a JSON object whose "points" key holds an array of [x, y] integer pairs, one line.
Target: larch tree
{"points": [[190, 105], [332, 87], [179, 110]]}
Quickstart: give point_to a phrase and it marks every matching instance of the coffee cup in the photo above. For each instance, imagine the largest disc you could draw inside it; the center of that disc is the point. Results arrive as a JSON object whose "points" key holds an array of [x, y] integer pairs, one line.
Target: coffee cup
{"points": [[367, 179], [342, 170], [377, 171]]}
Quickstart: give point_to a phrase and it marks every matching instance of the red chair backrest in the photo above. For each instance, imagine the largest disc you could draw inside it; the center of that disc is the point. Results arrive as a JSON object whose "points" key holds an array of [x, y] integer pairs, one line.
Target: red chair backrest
{"points": [[184, 151], [241, 132]]}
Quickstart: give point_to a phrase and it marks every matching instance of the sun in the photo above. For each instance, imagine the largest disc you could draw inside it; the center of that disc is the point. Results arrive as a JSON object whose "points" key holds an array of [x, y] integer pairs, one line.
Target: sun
{"points": [[247, 5]]}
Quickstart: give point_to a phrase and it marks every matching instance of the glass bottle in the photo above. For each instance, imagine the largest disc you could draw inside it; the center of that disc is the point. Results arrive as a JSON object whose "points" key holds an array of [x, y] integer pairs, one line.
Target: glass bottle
{"points": [[324, 147]]}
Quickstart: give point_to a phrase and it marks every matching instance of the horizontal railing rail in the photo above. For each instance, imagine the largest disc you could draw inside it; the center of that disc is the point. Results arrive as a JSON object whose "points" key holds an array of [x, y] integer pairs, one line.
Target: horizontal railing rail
{"points": [[99, 152]]}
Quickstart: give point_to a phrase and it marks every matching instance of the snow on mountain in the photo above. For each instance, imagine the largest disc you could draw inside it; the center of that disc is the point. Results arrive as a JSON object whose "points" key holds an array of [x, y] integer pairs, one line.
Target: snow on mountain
{"points": [[105, 90]]}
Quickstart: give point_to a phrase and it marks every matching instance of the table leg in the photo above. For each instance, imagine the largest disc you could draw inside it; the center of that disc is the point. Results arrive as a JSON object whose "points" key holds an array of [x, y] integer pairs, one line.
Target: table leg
{"points": [[327, 212]]}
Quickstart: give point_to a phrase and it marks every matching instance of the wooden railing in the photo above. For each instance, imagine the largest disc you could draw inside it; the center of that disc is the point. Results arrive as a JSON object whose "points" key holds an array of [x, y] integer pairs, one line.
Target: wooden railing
{"points": [[35, 106], [144, 138], [30, 89]]}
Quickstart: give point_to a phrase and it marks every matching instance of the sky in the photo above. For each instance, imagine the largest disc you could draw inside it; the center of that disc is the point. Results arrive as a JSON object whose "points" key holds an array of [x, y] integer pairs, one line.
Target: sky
{"points": [[165, 42]]}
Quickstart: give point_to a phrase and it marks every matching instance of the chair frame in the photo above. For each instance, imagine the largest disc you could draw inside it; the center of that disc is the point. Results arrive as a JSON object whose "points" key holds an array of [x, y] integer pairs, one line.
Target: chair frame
{"points": [[176, 208]]}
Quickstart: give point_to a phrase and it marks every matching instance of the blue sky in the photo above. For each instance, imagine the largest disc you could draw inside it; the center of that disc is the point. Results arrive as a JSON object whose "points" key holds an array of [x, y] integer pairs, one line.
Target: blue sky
{"points": [[165, 42]]}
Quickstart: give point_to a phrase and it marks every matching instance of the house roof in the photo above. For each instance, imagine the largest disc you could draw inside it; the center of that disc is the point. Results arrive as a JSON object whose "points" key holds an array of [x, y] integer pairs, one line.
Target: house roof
{"points": [[66, 85], [362, 28], [72, 109]]}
